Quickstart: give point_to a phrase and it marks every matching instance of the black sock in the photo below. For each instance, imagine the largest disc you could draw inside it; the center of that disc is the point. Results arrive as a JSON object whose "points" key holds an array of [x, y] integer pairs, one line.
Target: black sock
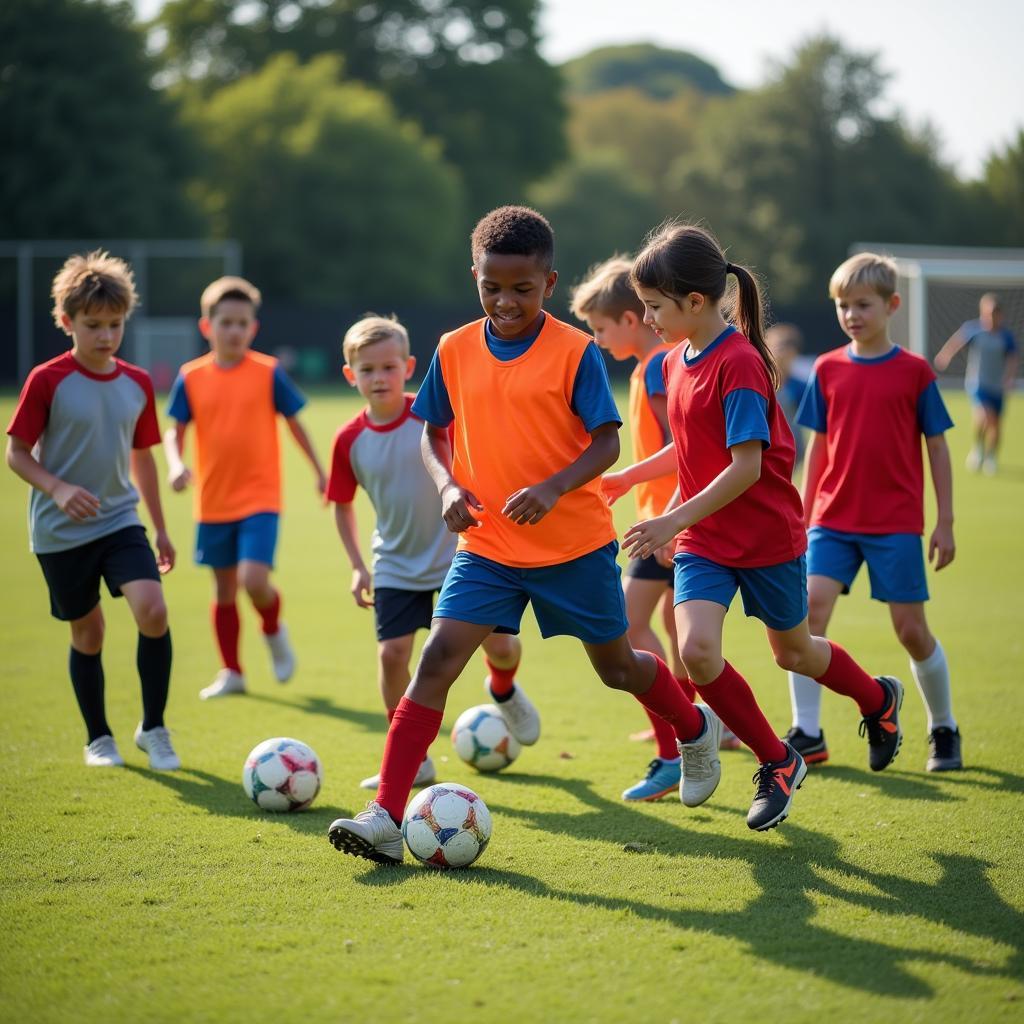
{"points": [[87, 679], [153, 659]]}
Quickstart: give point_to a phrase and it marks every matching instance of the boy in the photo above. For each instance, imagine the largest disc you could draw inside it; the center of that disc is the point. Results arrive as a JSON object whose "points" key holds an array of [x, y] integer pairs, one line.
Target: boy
{"points": [[991, 368], [412, 549], [606, 301], [535, 425], [785, 342], [234, 396], [82, 430], [868, 405]]}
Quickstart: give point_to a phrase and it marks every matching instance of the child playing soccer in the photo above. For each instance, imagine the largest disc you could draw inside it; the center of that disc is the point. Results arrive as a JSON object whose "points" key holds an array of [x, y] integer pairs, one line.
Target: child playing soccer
{"points": [[991, 369], [234, 395], [740, 524], [606, 301], [412, 548], [868, 405], [534, 426], [81, 432]]}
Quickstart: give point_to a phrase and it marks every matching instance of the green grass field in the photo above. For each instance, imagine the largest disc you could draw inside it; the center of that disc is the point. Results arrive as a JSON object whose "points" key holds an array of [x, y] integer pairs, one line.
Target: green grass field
{"points": [[130, 895]]}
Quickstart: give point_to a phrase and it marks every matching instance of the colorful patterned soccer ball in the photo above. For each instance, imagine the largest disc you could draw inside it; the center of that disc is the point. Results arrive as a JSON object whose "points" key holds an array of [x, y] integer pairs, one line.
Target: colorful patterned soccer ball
{"points": [[447, 825], [282, 774], [481, 738]]}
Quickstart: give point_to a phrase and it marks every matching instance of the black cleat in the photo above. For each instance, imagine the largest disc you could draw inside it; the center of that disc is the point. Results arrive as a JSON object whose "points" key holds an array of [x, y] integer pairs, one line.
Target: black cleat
{"points": [[776, 783], [944, 750], [811, 748], [883, 727]]}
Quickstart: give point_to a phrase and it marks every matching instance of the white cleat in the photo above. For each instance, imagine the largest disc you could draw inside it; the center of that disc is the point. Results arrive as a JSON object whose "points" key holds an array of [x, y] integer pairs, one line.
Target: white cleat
{"points": [[425, 776], [157, 743], [701, 767], [225, 683], [371, 834], [519, 714], [281, 653], [103, 753]]}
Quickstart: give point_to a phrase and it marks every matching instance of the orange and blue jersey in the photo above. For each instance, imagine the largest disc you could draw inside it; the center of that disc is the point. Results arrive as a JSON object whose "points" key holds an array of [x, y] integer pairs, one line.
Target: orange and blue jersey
{"points": [[648, 436], [873, 413], [717, 398], [235, 410], [522, 411]]}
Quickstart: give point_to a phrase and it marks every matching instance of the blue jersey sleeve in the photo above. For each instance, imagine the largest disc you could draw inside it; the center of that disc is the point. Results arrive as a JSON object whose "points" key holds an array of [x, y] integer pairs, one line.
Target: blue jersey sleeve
{"points": [[746, 417], [654, 376], [432, 403], [177, 405], [932, 416], [288, 399], [592, 398], [813, 411], [1009, 341]]}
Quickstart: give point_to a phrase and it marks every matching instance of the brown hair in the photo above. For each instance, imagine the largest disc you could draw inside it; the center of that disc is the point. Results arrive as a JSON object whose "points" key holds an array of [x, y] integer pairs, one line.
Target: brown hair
{"points": [[371, 329], [868, 269], [229, 288], [678, 259], [607, 290], [95, 280]]}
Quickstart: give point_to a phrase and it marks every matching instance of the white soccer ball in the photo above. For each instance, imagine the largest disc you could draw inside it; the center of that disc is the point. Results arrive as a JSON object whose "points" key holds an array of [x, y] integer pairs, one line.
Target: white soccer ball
{"points": [[282, 774], [481, 738], [447, 826]]}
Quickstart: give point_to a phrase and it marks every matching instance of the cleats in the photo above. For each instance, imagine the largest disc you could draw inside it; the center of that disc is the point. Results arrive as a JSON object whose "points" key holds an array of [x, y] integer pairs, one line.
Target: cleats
{"points": [[282, 656], [883, 727], [103, 753], [662, 778], [944, 750], [519, 714], [371, 834], [776, 783], [701, 767], [225, 683], [729, 740], [157, 743], [812, 749], [425, 776]]}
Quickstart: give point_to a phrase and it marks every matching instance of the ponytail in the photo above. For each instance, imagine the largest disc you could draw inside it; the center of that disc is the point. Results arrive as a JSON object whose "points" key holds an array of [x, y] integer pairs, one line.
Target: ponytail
{"points": [[749, 313]]}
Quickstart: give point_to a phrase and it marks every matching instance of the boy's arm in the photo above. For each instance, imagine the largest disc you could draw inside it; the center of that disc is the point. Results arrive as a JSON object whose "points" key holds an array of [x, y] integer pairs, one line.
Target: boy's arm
{"points": [[530, 505], [75, 502], [814, 465], [941, 546], [945, 354], [456, 501], [179, 476], [615, 485], [362, 583], [303, 441], [143, 467]]}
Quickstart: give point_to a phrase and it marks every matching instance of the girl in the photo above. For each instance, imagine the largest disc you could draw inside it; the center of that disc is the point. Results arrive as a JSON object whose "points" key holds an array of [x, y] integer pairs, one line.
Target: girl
{"points": [[740, 524]]}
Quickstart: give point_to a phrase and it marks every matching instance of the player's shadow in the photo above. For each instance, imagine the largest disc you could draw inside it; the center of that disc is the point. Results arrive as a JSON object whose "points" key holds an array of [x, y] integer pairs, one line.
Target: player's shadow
{"points": [[938, 786], [226, 798], [369, 721]]}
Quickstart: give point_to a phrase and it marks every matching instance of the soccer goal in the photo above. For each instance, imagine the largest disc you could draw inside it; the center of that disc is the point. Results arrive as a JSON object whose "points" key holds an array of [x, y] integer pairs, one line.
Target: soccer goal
{"points": [[941, 286]]}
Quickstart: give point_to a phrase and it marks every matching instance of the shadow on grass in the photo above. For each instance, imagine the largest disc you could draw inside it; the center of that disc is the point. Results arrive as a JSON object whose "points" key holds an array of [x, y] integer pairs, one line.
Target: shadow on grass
{"points": [[226, 798], [909, 785], [370, 721], [779, 925]]}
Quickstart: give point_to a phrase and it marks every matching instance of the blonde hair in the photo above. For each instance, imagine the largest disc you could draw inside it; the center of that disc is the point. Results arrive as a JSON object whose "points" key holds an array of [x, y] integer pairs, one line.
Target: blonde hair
{"points": [[371, 329], [229, 288], [866, 268], [95, 280], [607, 290]]}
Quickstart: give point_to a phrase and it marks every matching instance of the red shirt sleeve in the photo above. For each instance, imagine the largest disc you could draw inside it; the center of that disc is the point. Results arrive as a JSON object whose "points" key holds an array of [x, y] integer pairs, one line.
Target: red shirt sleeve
{"points": [[749, 372], [147, 429], [342, 483], [33, 409]]}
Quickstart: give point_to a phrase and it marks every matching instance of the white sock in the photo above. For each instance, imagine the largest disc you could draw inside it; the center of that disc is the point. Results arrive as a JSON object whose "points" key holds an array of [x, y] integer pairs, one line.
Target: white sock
{"points": [[805, 696], [932, 678]]}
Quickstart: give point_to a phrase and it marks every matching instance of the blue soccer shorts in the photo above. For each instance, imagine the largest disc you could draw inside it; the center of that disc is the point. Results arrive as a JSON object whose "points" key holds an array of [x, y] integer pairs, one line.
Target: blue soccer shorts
{"points": [[581, 598], [896, 566], [775, 594], [987, 399], [253, 539]]}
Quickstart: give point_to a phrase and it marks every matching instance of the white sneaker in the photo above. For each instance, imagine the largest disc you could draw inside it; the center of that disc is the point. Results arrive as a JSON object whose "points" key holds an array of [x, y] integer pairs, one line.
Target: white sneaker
{"points": [[425, 776], [520, 715], [701, 767], [371, 834], [225, 682], [974, 460], [103, 753], [281, 654], [157, 743], [989, 466]]}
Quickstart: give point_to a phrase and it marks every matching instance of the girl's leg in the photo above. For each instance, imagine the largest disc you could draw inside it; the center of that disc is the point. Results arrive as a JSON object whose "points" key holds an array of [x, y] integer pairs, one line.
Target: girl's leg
{"points": [[927, 662], [502, 654], [393, 656], [254, 577], [804, 692], [226, 623], [85, 664], [153, 654]]}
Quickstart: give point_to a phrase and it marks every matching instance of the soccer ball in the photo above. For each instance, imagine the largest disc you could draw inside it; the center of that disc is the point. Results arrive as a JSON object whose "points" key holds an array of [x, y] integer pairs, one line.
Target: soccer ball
{"points": [[282, 774], [481, 738], [447, 825]]}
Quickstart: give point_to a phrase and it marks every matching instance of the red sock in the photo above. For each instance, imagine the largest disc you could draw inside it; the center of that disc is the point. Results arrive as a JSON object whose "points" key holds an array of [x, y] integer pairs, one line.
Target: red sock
{"points": [[270, 615], [688, 688], [413, 728], [845, 676], [733, 701], [664, 736], [501, 679], [666, 700], [226, 627]]}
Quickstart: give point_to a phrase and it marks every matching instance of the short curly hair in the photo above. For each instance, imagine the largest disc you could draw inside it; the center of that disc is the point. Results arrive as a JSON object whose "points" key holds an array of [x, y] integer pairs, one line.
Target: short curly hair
{"points": [[93, 280], [516, 231]]}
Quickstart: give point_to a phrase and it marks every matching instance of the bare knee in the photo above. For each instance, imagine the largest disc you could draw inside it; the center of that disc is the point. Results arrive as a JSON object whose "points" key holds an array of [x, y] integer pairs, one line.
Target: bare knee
{"points": [[700, 656], [394, 655], [916, 638], [617, 674], [790, 659], [502, 648], [87, 633], [151, 617]]}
